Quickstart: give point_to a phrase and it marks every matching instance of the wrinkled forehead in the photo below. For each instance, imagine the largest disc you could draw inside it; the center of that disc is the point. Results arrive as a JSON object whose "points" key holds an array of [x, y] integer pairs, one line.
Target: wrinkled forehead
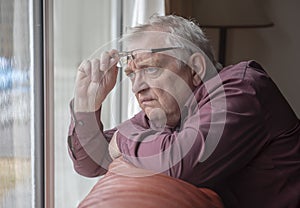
{"points": [[154, 40], [149, 39]]}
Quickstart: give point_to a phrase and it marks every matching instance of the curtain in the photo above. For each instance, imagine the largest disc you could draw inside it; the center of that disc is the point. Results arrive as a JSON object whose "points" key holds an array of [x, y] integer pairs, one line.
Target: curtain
{"points": [[136, 12]]}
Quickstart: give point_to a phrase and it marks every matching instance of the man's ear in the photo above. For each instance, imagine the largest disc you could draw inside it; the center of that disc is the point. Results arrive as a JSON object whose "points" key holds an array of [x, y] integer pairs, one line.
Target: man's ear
{"points": [[197, 64]]}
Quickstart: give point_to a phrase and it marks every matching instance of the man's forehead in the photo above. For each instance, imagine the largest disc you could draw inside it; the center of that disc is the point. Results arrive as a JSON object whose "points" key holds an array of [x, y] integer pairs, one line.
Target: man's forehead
{"points": [[148, 40], [155, 40]]}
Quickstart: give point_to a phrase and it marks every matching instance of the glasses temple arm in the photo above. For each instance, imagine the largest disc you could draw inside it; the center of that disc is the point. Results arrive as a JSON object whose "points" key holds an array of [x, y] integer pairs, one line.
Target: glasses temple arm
{"points": [[156, 50]]}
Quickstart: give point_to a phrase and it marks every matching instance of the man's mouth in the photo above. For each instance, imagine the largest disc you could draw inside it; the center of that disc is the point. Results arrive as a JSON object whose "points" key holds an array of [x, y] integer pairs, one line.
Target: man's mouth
{"points": [[146, 101]]}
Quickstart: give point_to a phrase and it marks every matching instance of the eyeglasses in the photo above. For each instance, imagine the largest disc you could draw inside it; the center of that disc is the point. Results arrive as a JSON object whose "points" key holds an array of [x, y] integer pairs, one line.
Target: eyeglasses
{"points": [[126, 56]]}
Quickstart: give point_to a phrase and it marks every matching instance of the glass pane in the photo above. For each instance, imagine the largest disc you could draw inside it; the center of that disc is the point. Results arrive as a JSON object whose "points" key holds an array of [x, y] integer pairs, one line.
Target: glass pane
{"points": [[16, 96], [80, 27]]}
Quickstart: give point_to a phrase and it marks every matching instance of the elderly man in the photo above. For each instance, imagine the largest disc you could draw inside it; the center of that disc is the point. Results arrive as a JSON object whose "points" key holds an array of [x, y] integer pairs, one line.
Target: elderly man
{"points": [[227, 129]]}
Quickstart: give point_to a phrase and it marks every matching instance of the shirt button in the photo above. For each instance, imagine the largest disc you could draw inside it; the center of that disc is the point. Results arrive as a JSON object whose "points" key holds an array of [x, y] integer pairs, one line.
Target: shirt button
{"points": [[80, 123]]}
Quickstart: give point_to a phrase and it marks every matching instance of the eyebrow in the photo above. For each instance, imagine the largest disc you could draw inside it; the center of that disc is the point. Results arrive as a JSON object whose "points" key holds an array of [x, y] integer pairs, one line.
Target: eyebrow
{"points": [[146, 62], [143, 64]]}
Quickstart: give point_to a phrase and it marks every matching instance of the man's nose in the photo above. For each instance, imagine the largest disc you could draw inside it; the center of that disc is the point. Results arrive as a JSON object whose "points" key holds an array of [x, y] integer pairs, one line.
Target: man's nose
{"points": [[139, 83]]}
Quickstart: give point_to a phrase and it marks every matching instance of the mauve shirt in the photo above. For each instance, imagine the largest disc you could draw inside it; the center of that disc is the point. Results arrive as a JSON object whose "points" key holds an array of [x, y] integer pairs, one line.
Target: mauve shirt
{"points": [[238, 136]]}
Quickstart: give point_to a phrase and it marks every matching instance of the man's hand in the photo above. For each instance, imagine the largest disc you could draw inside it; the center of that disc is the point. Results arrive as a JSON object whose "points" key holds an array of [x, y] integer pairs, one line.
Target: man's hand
{"points": [[95, 79], [113, 147]]}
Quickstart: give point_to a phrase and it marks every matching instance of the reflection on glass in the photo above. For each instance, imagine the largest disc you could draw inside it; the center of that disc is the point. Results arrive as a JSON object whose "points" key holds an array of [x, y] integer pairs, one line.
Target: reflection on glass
{"points": [[15, 106]]}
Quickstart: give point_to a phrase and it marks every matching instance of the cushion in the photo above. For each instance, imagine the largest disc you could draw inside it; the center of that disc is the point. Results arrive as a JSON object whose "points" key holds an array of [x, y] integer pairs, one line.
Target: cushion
{"points": [[125, 186]]}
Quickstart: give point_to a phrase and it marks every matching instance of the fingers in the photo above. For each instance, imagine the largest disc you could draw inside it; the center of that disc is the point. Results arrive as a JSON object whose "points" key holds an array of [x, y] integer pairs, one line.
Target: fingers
{"points": [[109, 60], [115, 58], [85, 67], [84, 70], [113, 148], [105, 57], [95, 70], [95, 63], [95, 79], [113, 62]]}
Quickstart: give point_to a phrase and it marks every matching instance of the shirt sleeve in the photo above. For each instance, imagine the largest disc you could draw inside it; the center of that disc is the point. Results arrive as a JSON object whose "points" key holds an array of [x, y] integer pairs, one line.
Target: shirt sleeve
{"points": [[88, 143], [217, 137]]}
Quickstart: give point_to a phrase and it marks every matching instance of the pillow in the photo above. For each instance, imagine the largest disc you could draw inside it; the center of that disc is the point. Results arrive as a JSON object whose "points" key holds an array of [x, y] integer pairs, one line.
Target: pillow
{"points": [[125, 186]]}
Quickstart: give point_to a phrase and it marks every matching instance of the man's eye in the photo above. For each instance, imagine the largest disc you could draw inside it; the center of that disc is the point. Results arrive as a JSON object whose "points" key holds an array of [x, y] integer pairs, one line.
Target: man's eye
{"points": [[151, 70]]}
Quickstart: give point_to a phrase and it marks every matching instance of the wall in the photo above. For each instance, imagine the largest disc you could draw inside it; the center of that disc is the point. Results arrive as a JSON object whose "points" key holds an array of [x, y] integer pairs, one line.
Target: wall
{"points": [[276, 48]]}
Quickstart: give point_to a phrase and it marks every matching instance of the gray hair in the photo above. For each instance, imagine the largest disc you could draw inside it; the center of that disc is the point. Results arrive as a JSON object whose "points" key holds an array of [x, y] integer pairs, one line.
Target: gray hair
{"points": [[183, 28]]}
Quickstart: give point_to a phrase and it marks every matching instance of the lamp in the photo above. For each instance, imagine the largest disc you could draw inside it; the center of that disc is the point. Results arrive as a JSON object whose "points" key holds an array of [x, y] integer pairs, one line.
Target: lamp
{"points": [[221, 14]]}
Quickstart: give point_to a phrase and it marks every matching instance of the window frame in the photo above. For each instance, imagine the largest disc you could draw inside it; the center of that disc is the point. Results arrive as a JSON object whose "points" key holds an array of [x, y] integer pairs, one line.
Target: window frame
{"points": [[48, 105]]}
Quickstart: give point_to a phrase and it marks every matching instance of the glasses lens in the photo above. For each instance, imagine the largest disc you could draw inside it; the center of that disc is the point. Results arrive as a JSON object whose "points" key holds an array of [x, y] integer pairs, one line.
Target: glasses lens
{"points": [[142, 57]]}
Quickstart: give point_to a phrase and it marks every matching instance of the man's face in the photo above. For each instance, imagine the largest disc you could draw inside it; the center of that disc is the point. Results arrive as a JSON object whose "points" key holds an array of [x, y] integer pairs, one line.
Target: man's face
{"points": [[161, 85]]}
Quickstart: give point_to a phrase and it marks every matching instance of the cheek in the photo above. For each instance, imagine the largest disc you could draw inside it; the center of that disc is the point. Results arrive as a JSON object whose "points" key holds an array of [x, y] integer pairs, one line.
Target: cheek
{"points": [[176, 83], [166, 90], [166, 100], [172, 90]]}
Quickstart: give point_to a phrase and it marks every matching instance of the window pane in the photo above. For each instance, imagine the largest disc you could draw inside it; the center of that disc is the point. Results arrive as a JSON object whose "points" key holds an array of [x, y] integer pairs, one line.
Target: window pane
{"points": [[80, 27], [16, 105]]}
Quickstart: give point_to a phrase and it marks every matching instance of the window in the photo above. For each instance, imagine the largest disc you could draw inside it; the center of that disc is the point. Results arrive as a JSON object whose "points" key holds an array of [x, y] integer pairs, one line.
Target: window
{"points": [[20, 105], [83, 29], [41, 45], [79, 29]]}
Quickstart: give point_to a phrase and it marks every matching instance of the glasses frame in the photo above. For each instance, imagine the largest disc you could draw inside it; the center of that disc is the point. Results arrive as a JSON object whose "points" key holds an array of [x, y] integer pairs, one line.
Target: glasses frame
{"points": [[129, 54]]}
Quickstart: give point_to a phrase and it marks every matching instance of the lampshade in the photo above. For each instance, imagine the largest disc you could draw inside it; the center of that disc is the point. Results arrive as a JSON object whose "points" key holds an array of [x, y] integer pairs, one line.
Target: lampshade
{"points": [[230, 13]]}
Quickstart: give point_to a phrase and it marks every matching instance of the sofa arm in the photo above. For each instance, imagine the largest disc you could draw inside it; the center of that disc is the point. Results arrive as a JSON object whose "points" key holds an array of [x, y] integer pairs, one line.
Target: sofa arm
{"points": [[125, 186]]}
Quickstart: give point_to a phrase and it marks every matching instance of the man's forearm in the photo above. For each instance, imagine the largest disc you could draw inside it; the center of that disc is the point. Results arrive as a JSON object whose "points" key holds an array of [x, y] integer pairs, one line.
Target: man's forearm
{"points": [[83, 163], [88, 144]]}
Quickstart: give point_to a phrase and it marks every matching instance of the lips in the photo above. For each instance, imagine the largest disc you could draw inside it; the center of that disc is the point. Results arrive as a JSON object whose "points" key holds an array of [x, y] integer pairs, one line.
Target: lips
{"points": [[146, 100]]}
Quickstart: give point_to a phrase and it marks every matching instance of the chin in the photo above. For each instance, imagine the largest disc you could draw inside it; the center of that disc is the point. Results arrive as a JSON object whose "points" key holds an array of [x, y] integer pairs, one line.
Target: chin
{"points": [[147, 111]]}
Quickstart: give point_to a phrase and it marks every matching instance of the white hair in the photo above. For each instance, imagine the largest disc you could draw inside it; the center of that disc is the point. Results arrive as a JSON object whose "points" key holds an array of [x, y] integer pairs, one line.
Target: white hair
{"points": [[180, 27]]}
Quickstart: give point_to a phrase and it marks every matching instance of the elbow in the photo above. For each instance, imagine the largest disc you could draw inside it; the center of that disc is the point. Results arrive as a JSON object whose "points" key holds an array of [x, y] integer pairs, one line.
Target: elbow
{"points": [[90, 172]]}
